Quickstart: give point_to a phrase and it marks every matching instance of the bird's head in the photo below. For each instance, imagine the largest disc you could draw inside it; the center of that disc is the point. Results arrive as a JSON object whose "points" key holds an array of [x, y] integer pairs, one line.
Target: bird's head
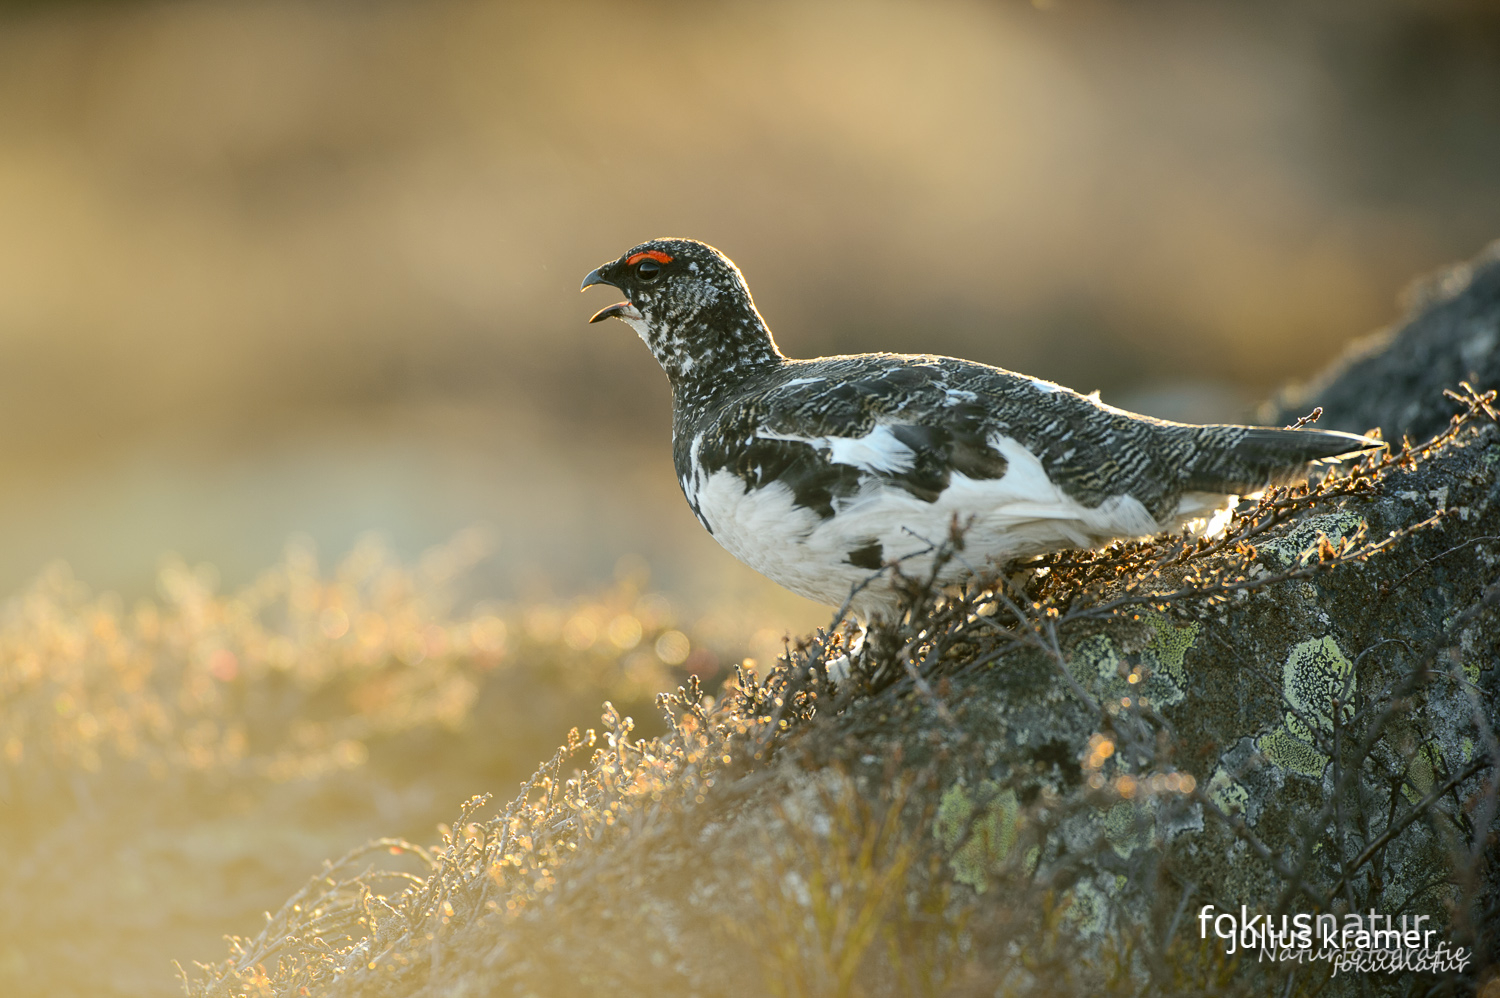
{"points": [[689, 303]]}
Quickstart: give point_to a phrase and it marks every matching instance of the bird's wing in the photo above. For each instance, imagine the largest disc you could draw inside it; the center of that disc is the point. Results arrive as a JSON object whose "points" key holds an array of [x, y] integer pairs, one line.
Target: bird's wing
{"points": [[914, 422], [902, 424], [847, 429]]}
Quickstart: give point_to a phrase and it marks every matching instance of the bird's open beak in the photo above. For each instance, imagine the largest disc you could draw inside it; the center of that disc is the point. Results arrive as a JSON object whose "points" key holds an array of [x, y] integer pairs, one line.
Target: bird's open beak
{"points": [[619, 310]]}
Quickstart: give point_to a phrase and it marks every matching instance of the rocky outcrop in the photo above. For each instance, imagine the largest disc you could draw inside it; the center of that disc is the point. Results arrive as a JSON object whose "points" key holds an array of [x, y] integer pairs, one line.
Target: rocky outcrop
{"points": [[1394, 379]]}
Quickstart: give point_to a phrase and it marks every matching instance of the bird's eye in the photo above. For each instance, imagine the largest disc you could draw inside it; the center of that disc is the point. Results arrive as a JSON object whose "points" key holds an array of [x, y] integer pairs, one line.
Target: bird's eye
{"points": [[648, 270]]}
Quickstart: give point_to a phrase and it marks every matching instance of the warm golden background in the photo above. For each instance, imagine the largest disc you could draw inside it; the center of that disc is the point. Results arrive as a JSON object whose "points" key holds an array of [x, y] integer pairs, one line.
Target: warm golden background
{"points": [[307, 269], [282, 267]]}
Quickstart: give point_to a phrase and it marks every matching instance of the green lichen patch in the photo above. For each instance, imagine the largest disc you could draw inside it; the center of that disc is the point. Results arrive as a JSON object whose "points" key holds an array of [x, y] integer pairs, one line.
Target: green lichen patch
{"points": [[979, 843], [1315, 673], [1420, 776], [1168, 647], [1290, 752]]}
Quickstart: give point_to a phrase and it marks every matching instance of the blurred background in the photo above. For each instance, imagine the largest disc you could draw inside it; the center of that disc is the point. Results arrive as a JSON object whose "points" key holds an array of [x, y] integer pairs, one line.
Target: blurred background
{"points": [[271, 268], [291, 269]]}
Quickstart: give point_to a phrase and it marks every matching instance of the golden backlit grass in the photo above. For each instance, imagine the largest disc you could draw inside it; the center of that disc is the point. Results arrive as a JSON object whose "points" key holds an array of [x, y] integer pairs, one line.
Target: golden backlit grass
{"points": [[168, 770]]}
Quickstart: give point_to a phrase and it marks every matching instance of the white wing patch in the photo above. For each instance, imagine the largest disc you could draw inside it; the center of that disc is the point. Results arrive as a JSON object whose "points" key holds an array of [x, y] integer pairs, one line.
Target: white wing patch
{"points": [[1019, 514], [878, 450], [1033, 496]]}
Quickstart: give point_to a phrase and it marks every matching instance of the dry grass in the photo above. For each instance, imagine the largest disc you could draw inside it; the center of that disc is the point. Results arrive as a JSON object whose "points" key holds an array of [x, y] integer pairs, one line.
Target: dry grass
{"points": [[171, 769]]}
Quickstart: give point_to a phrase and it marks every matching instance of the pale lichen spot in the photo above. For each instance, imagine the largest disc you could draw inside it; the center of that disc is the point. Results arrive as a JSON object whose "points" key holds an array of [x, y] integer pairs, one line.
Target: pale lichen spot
{"points": [[991, 834], [1315, 672], [1094, 658], [1159, 678], [1089, 907], [1226, 792]]}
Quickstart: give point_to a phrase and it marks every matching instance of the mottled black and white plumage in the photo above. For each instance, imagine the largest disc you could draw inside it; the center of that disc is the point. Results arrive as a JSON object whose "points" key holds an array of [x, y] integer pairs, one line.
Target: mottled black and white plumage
{"points": [[818, 472]]}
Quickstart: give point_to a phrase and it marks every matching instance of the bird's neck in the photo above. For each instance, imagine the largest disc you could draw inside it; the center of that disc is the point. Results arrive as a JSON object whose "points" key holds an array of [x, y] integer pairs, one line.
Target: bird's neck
{"points": [[702, 359]]}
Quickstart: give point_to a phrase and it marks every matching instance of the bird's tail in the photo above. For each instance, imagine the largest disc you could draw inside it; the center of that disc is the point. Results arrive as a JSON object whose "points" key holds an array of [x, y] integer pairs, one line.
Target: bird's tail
{"points": [[1240, 459]]}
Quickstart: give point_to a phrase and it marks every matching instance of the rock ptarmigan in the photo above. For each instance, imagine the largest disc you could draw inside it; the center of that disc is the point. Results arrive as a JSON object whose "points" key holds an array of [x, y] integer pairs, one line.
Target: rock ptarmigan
{"points": [[817, 473]]}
